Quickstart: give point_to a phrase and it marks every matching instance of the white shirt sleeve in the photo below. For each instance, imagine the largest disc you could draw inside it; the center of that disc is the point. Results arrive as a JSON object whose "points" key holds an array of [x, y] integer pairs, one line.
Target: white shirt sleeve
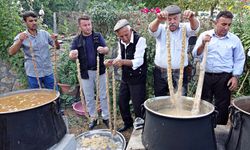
{"points": [[119, 54], [139, 53]]}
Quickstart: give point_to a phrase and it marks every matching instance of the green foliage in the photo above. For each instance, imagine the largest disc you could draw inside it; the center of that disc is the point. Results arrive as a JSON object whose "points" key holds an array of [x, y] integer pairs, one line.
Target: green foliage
{"points": [[10, 26], [241, 27], [66, 69]]}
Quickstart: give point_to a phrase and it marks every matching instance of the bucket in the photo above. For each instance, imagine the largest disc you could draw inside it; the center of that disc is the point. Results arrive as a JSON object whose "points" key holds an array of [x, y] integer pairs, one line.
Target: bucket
{"points": [[170, 132], [239, 134]]}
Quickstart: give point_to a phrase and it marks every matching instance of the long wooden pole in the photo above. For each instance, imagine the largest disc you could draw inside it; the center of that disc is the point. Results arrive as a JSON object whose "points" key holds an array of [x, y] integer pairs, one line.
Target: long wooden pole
{"points": [[114, 100], [108, 98], [97, 85], [197, 99], [81, 89], [34, 64]]}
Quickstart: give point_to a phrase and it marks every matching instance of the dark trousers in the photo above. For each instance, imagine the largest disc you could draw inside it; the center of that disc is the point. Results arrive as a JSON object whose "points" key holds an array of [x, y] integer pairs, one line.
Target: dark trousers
{"points": [[161, 81], [216, 91], [137, 93]]}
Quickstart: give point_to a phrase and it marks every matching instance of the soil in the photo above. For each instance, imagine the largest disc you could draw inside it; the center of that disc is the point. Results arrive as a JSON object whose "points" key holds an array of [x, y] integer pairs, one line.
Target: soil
{"points": [[79, 124]]}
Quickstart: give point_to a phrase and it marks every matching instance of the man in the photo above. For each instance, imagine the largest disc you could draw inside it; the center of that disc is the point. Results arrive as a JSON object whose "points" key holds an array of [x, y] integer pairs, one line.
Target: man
{"points": [[132, 59], [35, 44], [86, 47], [225, 61], [171, 15]]}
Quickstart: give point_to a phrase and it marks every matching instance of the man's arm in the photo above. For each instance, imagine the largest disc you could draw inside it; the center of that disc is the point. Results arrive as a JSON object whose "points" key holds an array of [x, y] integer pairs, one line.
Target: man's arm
{"points": [[162, 16], [190, 15], [17, 44]]}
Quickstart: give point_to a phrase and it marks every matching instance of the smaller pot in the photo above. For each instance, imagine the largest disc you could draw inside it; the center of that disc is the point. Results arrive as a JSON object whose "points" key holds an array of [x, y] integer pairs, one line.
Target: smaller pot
{"points": [[118, 139], [239, 134]]}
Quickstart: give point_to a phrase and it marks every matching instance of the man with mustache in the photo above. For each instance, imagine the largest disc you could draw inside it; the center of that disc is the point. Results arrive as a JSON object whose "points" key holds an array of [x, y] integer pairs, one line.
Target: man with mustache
{"points": [[171, 17], [224, 65], [35, 42]]}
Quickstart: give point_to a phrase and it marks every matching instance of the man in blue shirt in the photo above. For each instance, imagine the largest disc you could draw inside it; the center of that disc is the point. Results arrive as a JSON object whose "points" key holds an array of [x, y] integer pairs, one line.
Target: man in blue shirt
{"points": [[86, 46], [35, 44], [225, 62]]}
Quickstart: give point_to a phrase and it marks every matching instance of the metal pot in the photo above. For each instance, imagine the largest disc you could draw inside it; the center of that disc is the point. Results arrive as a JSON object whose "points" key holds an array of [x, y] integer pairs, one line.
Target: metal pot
{"points": [[239, 134], [35, 128], [118, 139], [170, 132]]}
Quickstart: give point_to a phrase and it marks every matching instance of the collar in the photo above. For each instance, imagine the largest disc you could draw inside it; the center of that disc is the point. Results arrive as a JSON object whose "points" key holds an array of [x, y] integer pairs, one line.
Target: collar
{"points": [[28, 33], [215, 35], [131, 39]]}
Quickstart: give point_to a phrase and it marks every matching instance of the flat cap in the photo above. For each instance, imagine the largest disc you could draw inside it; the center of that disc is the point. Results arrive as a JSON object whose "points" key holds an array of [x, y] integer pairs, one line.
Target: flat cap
{"points": [[173, 9], [120, 24]]}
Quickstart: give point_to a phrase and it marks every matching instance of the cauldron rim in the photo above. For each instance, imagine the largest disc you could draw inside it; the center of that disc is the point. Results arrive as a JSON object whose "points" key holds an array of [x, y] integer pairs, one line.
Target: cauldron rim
{"points": [[243, 98], [28, 91], [178, 117]]}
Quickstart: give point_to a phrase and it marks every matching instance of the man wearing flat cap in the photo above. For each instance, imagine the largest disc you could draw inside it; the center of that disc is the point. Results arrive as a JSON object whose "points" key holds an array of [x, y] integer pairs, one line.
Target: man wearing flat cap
{"points": [[132, 59], [171, 31]]}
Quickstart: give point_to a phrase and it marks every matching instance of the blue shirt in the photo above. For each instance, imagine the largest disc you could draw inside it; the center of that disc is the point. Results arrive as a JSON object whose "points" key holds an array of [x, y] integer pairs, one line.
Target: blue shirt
{"points": [[225, 54], [175, 45], [40, 45]]}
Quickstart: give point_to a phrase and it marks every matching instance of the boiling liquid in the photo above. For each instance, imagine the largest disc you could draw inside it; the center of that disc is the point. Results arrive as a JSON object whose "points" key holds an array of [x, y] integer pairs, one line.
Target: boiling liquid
{"points": [[22, 101], [175, 112]]}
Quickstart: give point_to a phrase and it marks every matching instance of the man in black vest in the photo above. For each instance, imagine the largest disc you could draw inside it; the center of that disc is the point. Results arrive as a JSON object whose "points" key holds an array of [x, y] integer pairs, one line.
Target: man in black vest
{"points": [[86, 47], [132, 59]]}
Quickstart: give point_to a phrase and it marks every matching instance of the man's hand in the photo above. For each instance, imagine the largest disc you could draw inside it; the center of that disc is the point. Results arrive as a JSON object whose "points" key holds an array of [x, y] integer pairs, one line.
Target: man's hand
{"points": [[54, 36], [162, 16], [232, 84], [23, 36], [118, 62], [101, 50], [188, 14], [206, 38], [73, 54], [108, 62]]}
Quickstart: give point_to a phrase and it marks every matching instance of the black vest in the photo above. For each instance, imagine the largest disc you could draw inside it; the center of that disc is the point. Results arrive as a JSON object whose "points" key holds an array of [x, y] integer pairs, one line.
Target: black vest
{"points": [[128, 74], [82, 56]]}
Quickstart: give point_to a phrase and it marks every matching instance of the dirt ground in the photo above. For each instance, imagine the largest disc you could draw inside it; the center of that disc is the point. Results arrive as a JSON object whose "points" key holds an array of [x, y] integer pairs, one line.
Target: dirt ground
{"points": [[79, 124]]}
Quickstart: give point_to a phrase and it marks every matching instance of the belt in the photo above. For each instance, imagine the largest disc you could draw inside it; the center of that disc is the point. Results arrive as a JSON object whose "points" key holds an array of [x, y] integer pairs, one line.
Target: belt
{"points": [[165, 69], [217, 74], [92, 68]]}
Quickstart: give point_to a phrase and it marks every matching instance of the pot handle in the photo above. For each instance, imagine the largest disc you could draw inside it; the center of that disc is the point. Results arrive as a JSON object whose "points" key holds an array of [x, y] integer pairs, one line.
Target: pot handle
{"points": [[143, 114], [235, 130], [235, 117], [57, 106]]}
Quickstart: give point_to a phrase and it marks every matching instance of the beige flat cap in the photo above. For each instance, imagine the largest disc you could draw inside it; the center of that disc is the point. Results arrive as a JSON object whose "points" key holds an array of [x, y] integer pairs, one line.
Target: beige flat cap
{"points": [[120, 24], [173, 9]]}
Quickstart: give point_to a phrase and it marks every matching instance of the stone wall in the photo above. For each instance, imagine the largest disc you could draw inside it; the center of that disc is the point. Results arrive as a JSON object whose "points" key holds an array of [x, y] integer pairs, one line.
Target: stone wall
{"points": [[8, 79]]}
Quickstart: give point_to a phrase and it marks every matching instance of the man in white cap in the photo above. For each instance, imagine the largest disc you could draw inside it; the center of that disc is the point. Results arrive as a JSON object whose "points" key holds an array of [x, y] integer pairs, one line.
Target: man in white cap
{"points": [[132, 59], [171, 17]]}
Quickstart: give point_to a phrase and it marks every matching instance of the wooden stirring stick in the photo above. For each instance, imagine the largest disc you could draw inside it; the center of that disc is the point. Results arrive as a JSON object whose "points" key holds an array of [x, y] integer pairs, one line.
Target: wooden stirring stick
{"points": [[97, 85], [114, 100], [197, 99], [34, 63], [81, 88], [108, 97]]}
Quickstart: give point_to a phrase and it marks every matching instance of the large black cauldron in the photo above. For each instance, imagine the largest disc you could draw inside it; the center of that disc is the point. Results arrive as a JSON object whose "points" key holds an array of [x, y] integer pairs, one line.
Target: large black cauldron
{"points": [[239, 134], [167, 132], [33, 129]]}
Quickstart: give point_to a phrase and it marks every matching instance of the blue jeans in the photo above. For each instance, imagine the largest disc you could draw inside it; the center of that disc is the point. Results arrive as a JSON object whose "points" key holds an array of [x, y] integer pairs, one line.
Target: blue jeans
{"points": [[46, 82]]}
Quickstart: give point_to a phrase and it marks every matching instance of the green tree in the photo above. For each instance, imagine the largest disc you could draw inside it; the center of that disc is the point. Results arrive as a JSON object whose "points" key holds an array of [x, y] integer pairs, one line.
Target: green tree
{"points": [[11, 24]]}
